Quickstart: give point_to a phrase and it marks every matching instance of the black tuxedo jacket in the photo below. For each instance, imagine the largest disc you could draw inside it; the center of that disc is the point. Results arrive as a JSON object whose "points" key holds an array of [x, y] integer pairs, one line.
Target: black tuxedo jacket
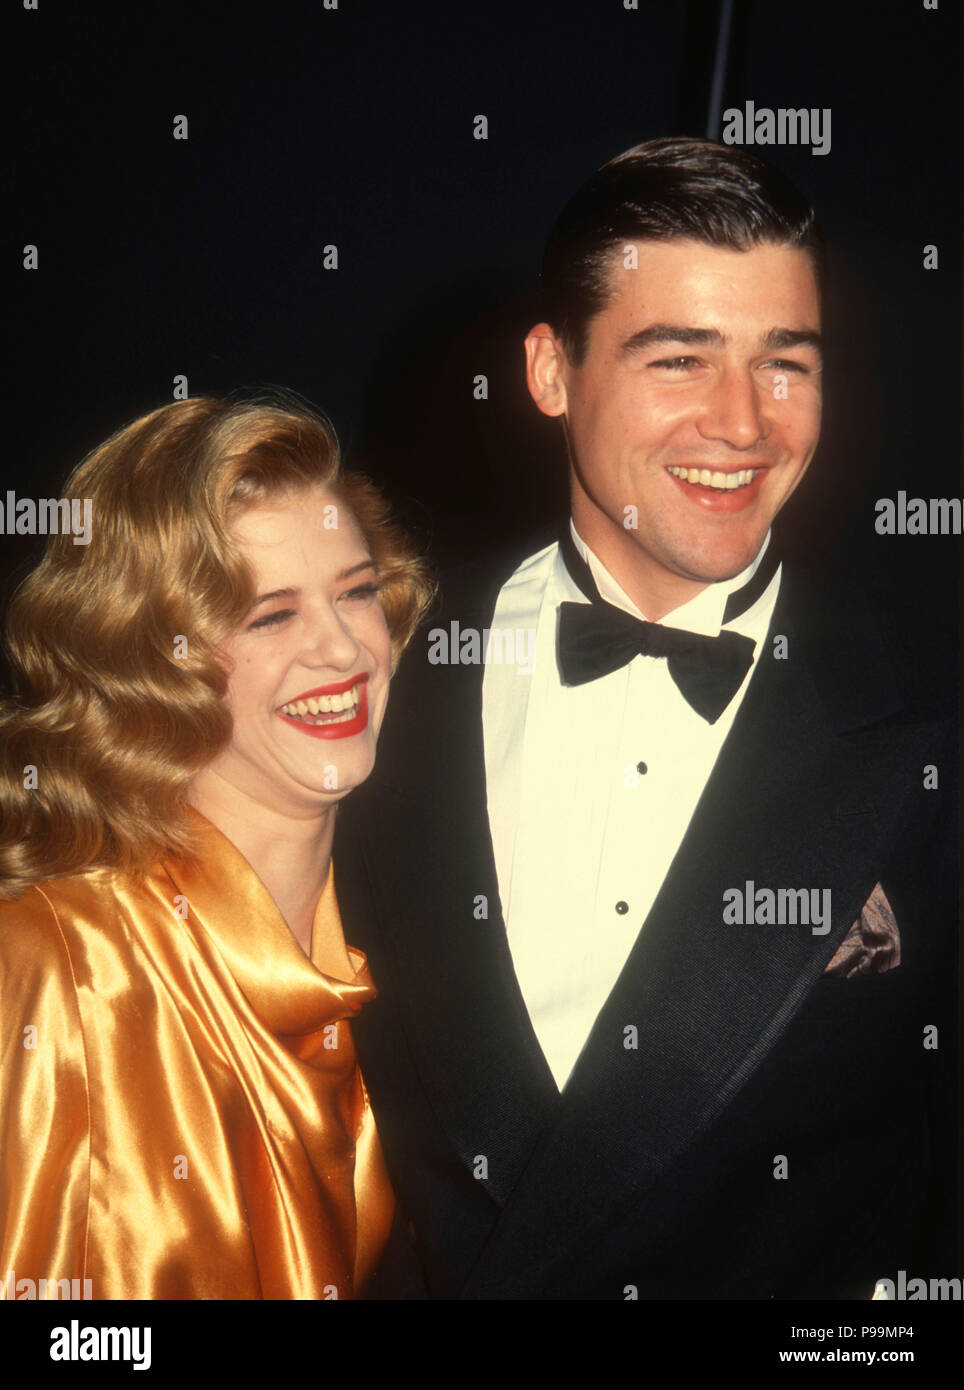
{"points": [[775, 1133]]}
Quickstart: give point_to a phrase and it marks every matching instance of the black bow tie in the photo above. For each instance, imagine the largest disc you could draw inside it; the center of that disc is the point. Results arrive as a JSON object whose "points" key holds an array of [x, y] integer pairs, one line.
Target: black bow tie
{"points": [[596, 638]]}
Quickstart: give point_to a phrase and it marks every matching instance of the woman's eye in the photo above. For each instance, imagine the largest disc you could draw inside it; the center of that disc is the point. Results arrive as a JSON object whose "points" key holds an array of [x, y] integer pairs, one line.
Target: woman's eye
{"points": [[273, 619], [362, 593]]}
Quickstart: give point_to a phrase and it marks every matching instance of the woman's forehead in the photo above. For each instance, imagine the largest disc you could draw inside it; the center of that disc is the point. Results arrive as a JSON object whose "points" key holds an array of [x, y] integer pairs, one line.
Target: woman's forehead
{"points": [[312, 523]]}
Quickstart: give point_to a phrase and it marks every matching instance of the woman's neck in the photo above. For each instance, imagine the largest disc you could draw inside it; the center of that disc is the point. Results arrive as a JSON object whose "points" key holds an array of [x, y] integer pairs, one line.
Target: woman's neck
{"points": [[290, 854]]}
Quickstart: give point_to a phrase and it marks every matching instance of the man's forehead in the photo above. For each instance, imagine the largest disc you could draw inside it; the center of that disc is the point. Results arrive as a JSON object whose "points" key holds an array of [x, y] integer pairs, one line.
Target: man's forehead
{"points": [[647, 275], [682, 257]]}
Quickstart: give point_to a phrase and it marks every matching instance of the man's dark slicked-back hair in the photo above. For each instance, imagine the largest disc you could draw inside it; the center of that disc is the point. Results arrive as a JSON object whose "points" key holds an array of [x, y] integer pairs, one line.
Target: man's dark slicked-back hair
{"points": [[660, 191]]}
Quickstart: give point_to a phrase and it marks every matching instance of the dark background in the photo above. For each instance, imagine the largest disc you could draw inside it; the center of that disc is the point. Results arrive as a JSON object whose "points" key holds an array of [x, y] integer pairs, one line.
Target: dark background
{"points": [[354, 126]]}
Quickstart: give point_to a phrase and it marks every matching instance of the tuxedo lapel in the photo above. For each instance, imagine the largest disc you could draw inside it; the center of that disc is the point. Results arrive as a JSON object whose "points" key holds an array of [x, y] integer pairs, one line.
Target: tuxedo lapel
{"points": [[442, 951], [802, 796]]}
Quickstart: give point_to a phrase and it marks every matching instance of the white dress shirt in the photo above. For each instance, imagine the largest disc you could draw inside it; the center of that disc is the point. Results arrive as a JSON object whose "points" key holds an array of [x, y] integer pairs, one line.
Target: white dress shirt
{"points": [[590, 790]]}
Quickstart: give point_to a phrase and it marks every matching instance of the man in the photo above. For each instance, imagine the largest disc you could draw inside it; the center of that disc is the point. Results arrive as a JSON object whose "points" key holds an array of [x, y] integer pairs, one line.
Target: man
{"points": [[659, 906]]}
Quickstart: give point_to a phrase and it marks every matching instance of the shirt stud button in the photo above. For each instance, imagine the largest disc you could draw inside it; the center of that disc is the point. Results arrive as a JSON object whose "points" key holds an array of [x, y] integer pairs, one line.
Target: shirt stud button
{"points": [[622, 908], [641, 767]]}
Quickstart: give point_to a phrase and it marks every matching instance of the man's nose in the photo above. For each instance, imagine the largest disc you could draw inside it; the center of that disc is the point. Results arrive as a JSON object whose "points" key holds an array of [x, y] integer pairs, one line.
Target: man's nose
{"points": [[735, 410]]}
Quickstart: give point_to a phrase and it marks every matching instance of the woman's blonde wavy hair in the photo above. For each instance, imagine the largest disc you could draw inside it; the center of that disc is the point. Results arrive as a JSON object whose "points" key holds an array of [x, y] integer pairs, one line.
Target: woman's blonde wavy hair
{"points": [[111, 705]]}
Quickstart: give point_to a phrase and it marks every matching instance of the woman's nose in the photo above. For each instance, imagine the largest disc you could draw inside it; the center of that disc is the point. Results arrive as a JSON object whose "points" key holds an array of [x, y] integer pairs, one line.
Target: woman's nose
{"points": [[328, 642]]}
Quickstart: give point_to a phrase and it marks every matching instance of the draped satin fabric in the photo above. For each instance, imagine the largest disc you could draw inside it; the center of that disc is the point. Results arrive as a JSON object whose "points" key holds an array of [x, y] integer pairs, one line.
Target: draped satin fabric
{"points": [[181, 1110]]}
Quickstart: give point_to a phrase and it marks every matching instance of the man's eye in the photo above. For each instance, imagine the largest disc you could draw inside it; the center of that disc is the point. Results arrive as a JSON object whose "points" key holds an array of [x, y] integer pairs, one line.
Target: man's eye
{"points": [[362, 593], [676, 364], [781, 366], [273, 619]]}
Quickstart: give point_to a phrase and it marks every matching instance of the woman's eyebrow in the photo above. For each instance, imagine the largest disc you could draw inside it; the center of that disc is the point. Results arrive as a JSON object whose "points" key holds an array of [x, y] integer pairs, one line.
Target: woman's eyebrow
{"points": [[368, 564], [275, 593]]}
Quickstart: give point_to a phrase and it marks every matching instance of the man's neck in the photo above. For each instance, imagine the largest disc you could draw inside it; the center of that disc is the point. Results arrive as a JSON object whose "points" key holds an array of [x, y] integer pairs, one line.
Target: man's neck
{"points": [[654, 590]]}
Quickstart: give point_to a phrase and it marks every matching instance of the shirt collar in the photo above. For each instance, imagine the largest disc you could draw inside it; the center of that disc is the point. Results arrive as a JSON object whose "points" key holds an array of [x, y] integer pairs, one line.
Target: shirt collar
{"points": [[703, 613]]}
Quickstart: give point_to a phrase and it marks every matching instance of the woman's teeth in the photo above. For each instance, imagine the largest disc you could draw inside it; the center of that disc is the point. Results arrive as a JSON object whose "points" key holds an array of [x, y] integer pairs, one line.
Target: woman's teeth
{"points": [[325, 709], [724, 482]]}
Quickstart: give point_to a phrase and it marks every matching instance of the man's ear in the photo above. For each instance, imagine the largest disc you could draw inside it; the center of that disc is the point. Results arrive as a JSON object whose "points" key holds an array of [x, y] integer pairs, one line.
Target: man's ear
{"points": [[545, 370]]}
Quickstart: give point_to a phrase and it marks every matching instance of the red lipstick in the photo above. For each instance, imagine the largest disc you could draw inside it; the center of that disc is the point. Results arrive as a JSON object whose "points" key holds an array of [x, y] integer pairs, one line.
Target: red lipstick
{"points": [[346, 728], [336, 688]]}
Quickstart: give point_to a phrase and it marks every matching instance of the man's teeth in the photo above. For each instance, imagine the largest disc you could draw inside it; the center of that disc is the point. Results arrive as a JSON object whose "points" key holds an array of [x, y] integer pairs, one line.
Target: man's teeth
{"points": [[343, 707], [726, 482]]}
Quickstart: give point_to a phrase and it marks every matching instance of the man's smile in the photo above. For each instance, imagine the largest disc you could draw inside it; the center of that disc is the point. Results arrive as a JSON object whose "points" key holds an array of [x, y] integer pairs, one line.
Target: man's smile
{"points": [[718, 490], [718, 479]]}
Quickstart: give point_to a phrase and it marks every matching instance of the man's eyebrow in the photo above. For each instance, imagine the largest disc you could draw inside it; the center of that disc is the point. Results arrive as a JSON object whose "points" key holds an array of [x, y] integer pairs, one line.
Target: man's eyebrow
{"points": [[791, 338], [658, 333], [673, 333], [368, 564]]}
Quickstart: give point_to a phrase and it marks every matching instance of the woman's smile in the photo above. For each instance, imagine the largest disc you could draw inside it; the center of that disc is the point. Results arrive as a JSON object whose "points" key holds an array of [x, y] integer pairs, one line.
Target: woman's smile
{"points": [[330, 711]]}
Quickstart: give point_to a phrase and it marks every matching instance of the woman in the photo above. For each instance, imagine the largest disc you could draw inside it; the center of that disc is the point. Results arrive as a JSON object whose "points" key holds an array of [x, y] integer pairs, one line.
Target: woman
{"points": [[181, 1110]]}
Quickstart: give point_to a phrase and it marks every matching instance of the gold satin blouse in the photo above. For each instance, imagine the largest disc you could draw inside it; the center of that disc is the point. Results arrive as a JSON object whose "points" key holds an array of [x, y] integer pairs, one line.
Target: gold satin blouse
{"points": [[182, 1113]]}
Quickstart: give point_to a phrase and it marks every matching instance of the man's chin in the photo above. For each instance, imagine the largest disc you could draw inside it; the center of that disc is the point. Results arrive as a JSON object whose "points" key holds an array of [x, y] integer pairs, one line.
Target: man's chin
{"points": [[719, 566]]}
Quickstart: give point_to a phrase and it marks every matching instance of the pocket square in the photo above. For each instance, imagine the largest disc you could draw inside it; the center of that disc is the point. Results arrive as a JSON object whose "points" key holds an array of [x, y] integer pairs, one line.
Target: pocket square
{"points": [[872, 945]]}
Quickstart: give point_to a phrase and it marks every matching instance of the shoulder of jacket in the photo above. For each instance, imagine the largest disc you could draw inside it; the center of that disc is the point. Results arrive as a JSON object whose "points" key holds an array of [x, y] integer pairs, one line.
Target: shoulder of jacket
{"points": [[479, 581], [45, 920]]}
